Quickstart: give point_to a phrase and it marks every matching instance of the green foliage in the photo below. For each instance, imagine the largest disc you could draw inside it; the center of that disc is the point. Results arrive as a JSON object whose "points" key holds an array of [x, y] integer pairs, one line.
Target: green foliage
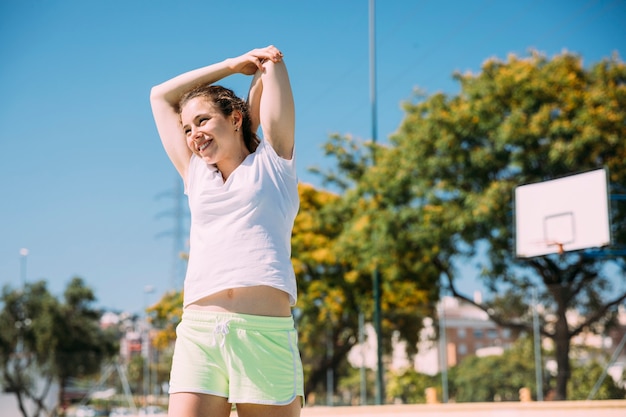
{"points": [[500, 377], [329, 240], [135, 373], [165, 316], [350, 387], [495, 378], [447, 178], [410, 386], [82, 344], [43, 339], [584, 378], [442, 188], [326, 312], [368, 233]]}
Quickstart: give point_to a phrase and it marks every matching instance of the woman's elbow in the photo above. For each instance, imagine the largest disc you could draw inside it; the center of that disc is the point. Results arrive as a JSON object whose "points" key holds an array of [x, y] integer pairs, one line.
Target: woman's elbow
{"points": [[156, 94]]}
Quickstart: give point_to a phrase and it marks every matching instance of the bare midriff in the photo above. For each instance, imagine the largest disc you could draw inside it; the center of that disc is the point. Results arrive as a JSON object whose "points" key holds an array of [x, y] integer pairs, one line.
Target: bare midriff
{"points": [[259, 300]]}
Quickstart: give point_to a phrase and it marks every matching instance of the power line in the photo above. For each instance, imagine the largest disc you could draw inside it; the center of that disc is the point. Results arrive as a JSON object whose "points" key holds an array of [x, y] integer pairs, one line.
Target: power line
{"points": [[505, 25], [409, 17], [568, 19], [563, 26], [591, 18], [349, 73], [437, 46]]}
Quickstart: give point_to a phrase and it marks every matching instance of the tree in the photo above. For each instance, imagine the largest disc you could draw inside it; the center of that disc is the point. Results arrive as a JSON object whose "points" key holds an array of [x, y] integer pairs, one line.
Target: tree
{"points": [[164, 317], [43, 340], [338, 243], [81, 346], [409, 386], [25, 340], [584, 378], [512, 370], [331, 291], [507, 373], [447, 177]]}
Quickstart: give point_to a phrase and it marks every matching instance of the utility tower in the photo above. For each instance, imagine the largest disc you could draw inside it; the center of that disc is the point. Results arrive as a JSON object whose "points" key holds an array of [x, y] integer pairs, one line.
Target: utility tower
{"points": [[179, 212]]}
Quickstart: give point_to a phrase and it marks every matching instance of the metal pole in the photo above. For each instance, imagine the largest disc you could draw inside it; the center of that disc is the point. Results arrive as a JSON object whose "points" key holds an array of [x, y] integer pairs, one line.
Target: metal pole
{"points": [[537, 344], [373, 73], [154, 383], [380, 387], [379, 340], [443, 356], [362, 345], [127, 392], [148, 289], [614, 357], [329, 371], [146, 363]]}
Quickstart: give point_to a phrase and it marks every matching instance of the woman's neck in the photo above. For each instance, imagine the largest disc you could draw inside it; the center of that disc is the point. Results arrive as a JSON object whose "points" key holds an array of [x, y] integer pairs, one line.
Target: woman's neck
{"points": [[228, 166]]}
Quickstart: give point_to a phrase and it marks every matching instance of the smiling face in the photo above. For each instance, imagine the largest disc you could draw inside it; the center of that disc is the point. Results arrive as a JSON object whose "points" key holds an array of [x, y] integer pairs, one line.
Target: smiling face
{"points": [[209, 133]]}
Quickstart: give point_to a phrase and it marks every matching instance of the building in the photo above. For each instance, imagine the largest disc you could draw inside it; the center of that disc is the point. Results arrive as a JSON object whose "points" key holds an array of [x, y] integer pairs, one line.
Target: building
{"points": [[468, 331]]}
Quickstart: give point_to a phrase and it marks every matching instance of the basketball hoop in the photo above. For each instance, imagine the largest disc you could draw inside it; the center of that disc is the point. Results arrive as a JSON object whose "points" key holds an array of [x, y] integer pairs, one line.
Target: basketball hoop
{"points": [[561, 215], [559, 247]]}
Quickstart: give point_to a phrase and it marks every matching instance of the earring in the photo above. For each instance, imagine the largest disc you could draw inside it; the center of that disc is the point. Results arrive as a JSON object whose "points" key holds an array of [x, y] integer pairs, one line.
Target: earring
{"points": [[237, 129]]}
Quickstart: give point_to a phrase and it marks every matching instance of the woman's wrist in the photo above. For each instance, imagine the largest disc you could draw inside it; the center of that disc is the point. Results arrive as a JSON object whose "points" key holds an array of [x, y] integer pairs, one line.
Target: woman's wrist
{"points": [[233, 65], [229, 63]]}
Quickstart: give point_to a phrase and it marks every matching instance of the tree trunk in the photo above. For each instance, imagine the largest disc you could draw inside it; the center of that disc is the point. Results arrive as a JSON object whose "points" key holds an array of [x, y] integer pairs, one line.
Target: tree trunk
{"points": [[61, 399], [562, 345], [318, 374], [20, 403]]}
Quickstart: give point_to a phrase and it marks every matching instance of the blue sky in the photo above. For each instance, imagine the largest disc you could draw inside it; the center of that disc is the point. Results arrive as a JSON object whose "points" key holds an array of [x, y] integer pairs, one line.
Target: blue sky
{"points": [[85, 185]]}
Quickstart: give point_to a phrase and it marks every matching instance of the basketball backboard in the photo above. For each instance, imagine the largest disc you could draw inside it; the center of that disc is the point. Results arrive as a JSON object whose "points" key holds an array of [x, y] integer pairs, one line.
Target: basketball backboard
{"points": [[564, 214]]}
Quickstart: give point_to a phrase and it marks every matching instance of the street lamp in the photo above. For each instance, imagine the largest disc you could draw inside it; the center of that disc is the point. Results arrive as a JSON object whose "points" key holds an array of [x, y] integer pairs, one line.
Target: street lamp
{"points": [[23, 258]]}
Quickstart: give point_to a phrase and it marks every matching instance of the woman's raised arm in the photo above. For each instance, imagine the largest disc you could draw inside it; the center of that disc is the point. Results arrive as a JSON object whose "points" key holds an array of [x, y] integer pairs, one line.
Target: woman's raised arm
{"points": [[277, 109], [164, 98]]}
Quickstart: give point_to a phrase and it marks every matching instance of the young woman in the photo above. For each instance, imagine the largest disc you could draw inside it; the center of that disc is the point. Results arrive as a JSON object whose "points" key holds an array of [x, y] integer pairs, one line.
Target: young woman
{"points": [[236, 343]]}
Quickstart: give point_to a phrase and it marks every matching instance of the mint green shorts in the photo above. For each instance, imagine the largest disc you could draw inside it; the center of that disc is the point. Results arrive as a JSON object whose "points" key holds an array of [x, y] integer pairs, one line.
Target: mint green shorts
{"points": [[244, 358]]}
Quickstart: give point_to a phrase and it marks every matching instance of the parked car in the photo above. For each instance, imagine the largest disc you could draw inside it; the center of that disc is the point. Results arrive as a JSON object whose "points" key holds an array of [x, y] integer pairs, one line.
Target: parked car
{"points": [[120, 411], [152, 410], [85, 411]]}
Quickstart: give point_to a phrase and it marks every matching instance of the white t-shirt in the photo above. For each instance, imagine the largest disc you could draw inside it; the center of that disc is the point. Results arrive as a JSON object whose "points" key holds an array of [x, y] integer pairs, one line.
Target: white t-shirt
{"points": [[241, 229]]}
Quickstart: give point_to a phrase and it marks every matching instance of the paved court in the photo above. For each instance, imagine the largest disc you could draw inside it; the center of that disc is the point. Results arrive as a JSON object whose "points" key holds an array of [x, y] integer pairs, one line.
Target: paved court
{"points": [[613, 408]]}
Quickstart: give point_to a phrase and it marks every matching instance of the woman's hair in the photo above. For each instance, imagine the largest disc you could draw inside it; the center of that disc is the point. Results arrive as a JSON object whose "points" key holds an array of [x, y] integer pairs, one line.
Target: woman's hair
{"points": [[226, 102]]}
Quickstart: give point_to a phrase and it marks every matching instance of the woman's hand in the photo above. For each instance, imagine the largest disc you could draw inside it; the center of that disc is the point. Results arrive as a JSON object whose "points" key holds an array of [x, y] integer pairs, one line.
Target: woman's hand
{"points": [[250, 62]]}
